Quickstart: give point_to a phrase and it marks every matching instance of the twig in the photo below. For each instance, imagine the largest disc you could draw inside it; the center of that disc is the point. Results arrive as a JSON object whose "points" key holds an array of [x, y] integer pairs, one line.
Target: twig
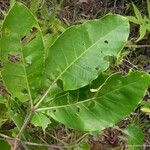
{"points": [[57, 139], [133, 66], [37, 144], [6, 137], [50, 146], [137, 46], [115, 2], [81, 138], [21, 130]]}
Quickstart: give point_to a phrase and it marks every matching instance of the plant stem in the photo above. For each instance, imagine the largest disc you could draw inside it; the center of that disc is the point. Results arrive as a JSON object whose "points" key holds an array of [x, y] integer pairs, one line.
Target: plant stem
{"points": [[137, 46], [42, 145], [6, 137], [50, 146], [33, 110], [46, 93], [22, 129]]}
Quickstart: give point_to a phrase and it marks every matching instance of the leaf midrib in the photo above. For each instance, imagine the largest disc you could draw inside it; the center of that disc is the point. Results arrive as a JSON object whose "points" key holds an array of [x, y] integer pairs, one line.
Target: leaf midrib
{"points": [[26, 76], [87, 100], [59, 76]]}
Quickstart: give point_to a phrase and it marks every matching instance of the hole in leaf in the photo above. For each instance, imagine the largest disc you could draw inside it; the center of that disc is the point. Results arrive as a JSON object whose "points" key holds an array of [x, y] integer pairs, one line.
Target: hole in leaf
{"points": [[42, 91], [3, 90], [106, 41], [29, 37], [33, 30], [60, 83], [14, 58], [28, 61], [97, 68], [16, 99], [24, 91], [7, 125], [78, 109], [54, 110]]}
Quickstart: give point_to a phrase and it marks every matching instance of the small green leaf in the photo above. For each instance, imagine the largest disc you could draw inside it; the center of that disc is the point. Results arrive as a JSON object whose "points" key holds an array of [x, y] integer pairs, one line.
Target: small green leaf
{"points": [[133, 19], [35, 5], [137, 13], [41, 120], [148, 7], [135, 137], [142, 33]]}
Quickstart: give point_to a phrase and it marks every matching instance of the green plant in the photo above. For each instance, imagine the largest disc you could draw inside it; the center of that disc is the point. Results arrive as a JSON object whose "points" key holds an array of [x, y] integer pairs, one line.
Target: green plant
{"points": [[135, 136], [57, 82], [142, 21], [47, 17]]}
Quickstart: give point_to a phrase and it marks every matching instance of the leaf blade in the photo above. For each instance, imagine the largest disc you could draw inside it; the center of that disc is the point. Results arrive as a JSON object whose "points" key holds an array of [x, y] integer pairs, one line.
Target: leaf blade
{"points": [[22, 50], [142, 32], [117, 94], [137, 13], [40, 120], [81, 58]]}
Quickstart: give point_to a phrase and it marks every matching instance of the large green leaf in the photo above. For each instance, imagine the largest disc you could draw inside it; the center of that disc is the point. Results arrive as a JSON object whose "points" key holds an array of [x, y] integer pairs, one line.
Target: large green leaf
{"points": [[115, 99], [80, 54], [22, 52]]}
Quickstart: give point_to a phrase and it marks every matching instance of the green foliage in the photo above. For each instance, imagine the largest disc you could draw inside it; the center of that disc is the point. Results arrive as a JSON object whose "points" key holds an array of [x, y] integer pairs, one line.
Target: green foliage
{"points": [[41, 120], [142, 21], [48, 19], [35, 4], [137, 13], [101, 110], [22, 52], [135, 137], [83, 55], [61, 76], [4, 145], [12, 2]]}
